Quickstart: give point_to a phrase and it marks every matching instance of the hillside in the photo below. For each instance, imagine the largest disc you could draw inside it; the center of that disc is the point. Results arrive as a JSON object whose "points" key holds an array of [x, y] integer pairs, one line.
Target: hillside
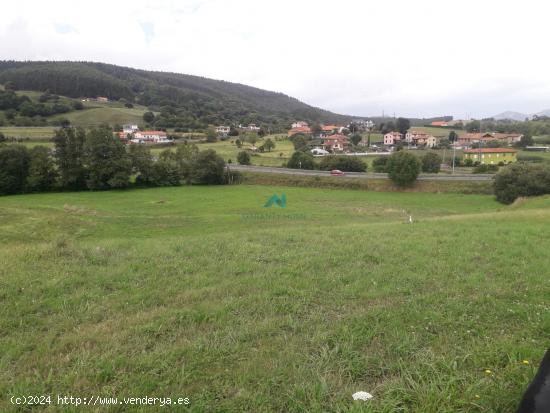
{"points": [[183, 100]]}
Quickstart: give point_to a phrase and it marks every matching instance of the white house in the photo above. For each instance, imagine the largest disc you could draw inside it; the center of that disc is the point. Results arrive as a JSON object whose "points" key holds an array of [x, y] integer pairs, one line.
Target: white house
{"points": [[129, 128], [420, 138], [222, 130], [300, 124], [391, 138], [150, 136], [251, 127]]}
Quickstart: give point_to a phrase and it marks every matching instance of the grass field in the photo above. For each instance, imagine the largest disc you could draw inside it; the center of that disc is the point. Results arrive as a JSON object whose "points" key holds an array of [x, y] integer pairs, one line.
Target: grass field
{"points": [[200, 292], [96, 115], [37, 133], [438, 132]]}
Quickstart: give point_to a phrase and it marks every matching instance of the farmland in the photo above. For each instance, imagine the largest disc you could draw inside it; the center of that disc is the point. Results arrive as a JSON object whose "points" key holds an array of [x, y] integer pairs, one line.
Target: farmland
{"points": [[200, 292]]}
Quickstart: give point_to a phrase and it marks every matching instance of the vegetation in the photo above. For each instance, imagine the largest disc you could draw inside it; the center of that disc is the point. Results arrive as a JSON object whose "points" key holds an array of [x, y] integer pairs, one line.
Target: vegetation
{"points": [[301, 160], [403, 168], [200, 292], [379, 164], [180, 100], [243, 158], [431, 162], [343, 163], [522, 180]]}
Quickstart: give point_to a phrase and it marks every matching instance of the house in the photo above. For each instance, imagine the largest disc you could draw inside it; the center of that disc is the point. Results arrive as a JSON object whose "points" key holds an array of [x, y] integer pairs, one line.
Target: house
{"points": [[102, 99], [491, 156], [391, 138], [306, 130], [250, 128], [468, 139], [300, 124], [440, 123], [150, 136], [222, 130], [319, 151], [419, 138], [335, 142], [129, 128]]}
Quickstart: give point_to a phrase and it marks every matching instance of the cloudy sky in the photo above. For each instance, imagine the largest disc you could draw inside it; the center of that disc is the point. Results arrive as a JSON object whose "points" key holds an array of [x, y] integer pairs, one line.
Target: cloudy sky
{"points": [[413, 58]]}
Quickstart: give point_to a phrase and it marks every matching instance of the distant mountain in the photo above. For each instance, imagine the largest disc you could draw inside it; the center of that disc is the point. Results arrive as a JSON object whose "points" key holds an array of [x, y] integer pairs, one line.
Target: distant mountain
{"points": [[545, 112], [183, 100], [511, 115]]}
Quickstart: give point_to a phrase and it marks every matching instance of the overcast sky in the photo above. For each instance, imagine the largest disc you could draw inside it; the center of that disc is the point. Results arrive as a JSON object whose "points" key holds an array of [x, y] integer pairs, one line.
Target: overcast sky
{"points": [[413, 58]]}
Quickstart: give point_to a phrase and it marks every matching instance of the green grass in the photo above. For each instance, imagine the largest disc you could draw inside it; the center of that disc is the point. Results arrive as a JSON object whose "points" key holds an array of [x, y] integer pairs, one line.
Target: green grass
{"points": [[33, 133], [96, 115], [200, 292], [438, 132]]}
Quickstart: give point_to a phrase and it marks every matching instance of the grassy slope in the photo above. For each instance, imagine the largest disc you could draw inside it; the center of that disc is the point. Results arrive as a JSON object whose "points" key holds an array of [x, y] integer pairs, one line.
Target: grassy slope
{"points": [[189, 292]]}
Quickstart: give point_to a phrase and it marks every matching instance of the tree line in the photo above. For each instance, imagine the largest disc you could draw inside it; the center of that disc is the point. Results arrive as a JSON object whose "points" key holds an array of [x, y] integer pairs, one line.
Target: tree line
{"points": [[96, 160]]}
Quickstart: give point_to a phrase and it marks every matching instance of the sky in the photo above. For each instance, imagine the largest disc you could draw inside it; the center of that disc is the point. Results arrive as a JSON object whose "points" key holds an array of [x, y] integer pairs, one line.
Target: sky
{"points": [[418, 58]]}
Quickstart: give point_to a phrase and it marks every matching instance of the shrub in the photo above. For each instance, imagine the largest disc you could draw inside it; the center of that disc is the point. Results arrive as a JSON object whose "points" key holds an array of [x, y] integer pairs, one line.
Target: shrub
{"points": [[484, 169], [343, 163], [243, 158], [301, 160], [521, 179], [380, 164], [431, 162], [208, 168], [403, 168]]}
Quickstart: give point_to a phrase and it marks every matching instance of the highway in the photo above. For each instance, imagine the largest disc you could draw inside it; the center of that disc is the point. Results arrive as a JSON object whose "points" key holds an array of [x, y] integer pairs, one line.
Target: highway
{"points": [[367, 175]]}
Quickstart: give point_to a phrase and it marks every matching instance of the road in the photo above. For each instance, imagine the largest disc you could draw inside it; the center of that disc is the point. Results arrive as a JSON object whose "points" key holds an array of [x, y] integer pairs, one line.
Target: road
{"points": [[368, 175]]}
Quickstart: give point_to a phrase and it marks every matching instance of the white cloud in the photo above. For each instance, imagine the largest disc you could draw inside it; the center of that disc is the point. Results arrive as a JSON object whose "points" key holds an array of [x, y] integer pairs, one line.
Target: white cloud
{"points": [[420, 58]]}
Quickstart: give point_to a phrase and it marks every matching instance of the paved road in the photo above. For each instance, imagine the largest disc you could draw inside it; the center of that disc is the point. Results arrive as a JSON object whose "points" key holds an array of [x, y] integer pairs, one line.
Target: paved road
{"points": [[368, 175]]}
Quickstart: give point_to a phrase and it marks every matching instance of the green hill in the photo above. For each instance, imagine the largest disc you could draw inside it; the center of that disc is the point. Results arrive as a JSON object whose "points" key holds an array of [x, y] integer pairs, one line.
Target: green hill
{"points": [[182, 100]]}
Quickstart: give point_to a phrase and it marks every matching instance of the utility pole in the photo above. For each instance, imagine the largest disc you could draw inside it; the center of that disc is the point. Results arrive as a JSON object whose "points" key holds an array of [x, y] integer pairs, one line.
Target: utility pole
{"points": [[454, 155]]}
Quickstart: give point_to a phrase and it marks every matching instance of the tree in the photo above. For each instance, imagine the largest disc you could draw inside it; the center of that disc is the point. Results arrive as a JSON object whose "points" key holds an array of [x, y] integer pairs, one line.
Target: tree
{"points": [[444, 143], [142, 163], [473, 126], [356, 138], [69, 155], [2, 137], [521, 179], [402, 125], [453, 136], [238, 143], [301, 160], [78, 105], [379, 164], [403, 168], [387, 127], [526, 140], [269, 144], [243, 158], [300, 142], [343, 163], [42, 171], [148, 117], [14, 169], [166, 170], [185, 155], [431, 162], [211, 135], [108, 164], [208, 168], [251, 138]]}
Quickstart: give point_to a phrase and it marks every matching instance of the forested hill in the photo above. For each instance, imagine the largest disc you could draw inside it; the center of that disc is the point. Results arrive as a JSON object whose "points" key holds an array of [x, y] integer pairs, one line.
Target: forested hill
{"points": [[183, 97]]}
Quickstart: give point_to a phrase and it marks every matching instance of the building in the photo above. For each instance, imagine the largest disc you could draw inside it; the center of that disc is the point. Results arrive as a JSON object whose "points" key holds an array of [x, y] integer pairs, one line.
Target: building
{"points": [[150, 136], [222, 130], [102, 99], [440, 123], [129, 128], [250, 128], [491, 156], [418, 138], [391, 138], [336, 142], [468, 139], [300, 124], [306, 130]]}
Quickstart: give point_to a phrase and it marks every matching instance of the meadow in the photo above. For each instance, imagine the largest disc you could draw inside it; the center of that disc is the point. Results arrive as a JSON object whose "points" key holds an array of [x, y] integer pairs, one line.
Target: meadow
{"points": [[201, 292]]}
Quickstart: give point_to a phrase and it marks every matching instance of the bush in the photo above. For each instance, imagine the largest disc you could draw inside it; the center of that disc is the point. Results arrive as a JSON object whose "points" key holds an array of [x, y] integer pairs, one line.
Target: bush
{"points": [[42, 172], [243, 158], [343, 163], [484, 169], [431, 163], [380, 164], [521, 179], [208, 168], [301, 160], [403, 168]]}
